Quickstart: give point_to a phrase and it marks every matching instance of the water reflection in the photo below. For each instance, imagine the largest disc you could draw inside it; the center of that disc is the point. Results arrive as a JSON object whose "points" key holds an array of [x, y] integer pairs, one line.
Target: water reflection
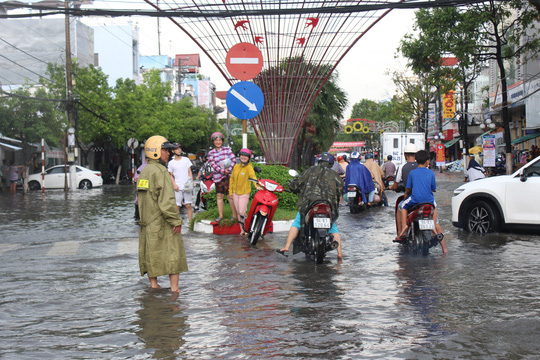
{"points": [[423, 295], [162, 323]]}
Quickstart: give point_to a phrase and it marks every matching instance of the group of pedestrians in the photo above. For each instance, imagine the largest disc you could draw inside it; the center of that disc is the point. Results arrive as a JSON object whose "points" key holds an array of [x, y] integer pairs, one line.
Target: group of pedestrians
{"points": [[9, 176], [164, 185]]}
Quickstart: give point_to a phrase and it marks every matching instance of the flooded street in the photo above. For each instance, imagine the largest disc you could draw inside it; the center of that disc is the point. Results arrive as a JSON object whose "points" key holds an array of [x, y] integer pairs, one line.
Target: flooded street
{"points": [[72, 290]]}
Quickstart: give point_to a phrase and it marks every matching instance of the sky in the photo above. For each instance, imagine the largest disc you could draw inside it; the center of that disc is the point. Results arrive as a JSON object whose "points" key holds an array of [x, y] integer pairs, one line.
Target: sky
{"points": [[362, 72]]}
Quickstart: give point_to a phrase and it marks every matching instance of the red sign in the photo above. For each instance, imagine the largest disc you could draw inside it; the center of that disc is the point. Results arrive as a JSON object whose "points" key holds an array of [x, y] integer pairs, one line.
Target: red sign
{"points": [[440, 155], [244, 61]]}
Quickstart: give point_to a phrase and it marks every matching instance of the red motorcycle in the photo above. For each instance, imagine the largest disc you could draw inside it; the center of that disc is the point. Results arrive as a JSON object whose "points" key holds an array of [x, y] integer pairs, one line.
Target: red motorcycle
{"points": [[263, 207], [207, 185], [419, 239]]}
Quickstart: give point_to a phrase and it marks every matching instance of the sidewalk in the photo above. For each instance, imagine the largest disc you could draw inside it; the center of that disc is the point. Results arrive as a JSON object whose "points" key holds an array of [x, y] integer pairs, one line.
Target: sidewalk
{"points": [[204, 226]]}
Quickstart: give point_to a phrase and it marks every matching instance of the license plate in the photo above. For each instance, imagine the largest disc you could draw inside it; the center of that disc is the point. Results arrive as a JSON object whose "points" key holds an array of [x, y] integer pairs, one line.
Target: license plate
{"points": [[351, 195], [426, 224], [321, 223], [390, 183]]}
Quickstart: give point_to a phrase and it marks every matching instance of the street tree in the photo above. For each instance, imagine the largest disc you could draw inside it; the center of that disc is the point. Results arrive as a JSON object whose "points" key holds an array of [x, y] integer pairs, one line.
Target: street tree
{"points": [[498, 31], [322, 122], [30, 114]]}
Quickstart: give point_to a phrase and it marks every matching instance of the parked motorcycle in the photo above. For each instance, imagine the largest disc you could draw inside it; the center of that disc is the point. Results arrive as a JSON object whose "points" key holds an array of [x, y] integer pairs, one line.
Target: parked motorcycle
{"points": [[207, 185], [316, 241], [263, 207], [419, 237]]}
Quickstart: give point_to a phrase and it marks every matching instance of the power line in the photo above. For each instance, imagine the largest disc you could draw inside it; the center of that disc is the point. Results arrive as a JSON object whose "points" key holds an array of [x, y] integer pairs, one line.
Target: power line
{"points": [[216, 11]]}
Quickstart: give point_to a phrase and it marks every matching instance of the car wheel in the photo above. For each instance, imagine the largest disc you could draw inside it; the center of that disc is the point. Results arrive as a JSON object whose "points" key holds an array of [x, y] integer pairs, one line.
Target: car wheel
{"points": [[34, 185], [480, 218], [85, 185]]}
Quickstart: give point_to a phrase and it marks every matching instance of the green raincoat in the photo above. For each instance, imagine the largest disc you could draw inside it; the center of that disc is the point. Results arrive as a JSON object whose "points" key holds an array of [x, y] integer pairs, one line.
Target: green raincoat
{"points": [[161, 251]]}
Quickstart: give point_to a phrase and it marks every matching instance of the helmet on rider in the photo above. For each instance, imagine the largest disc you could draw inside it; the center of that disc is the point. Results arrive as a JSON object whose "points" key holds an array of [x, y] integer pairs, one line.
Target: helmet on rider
{"points": [[247, 153], [344, 157], [410, 149], [216, 135], [326, 156], [355, 155], [369, 156], [153, 146], [340, 158], [175, 146]]}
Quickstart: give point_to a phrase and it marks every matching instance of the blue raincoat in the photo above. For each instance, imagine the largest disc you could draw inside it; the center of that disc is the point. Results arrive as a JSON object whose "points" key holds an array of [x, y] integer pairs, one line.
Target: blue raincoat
{"points": [[359, 175]]}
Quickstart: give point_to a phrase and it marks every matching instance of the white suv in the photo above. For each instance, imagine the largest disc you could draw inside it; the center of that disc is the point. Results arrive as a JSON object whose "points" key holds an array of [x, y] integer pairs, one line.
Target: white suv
{"points": [[500, 202]]}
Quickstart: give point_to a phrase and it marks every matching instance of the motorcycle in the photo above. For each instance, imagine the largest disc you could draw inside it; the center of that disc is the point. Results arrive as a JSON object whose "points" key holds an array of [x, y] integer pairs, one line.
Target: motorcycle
{"points": [[316, 241], [389, 181], [500, 166], [263, 207], [355, 198], [207, 185], [419, 239]]}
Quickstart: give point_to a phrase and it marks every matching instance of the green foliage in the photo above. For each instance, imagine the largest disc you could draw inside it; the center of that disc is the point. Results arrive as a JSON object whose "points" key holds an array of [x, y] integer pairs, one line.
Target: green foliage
{"points": [[279, 174], [30, 115]]}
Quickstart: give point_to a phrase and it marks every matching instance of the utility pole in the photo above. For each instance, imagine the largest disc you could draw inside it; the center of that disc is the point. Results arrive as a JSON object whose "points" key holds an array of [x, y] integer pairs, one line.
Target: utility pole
{"points": [[69, 92], [158, 32]]}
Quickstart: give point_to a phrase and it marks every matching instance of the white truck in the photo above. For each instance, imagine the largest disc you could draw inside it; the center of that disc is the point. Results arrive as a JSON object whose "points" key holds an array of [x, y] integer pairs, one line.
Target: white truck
{"points": [[393, 143]]}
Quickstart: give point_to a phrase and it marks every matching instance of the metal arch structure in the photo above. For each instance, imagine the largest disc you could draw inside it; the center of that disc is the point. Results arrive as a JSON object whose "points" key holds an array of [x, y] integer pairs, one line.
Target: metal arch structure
{"points": [[302, 43]]}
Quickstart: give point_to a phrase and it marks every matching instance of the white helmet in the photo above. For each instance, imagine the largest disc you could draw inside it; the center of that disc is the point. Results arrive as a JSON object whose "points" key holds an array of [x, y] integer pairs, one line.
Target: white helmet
{"points": [[355, 155], [410, 149]]}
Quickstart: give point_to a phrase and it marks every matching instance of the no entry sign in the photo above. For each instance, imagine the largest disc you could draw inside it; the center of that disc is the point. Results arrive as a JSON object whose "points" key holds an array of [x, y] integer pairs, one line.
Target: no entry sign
{"points": [[244, 61]]}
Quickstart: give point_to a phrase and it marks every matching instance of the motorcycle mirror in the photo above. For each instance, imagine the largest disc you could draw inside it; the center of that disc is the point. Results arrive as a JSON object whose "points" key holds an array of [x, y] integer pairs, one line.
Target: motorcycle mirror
{"points": [[257, 169], [293, 172]]}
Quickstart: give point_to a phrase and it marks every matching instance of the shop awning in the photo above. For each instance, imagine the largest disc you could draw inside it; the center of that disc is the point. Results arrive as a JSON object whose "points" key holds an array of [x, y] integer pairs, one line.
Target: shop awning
{"points": [[525, 138], [10, 147], [451, 142]]}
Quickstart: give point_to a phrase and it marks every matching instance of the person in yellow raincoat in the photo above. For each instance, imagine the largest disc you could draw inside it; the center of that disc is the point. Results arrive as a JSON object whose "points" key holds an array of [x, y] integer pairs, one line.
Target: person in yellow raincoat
{"points": [[161, 249], [377, 174]]}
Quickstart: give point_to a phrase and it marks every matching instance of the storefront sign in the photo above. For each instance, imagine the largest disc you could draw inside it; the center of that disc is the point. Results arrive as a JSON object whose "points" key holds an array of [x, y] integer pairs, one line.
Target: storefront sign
{"points": [[490, 150]]}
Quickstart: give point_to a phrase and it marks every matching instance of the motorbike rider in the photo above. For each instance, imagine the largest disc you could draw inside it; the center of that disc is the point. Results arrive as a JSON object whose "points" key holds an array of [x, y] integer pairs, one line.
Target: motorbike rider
{"points": [[319, 182], [419, 189], [389, 168], [357, 174], [377, 174], [401, 178]]}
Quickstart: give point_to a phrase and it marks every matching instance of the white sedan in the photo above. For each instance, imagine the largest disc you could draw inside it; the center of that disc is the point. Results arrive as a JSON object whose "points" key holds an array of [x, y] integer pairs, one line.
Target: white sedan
{"points": [[55, 178], [499, 202]]}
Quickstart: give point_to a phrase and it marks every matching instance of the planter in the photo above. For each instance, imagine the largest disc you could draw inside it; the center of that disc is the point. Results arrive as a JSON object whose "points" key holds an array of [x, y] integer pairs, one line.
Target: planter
{"points": [[227, 230]]}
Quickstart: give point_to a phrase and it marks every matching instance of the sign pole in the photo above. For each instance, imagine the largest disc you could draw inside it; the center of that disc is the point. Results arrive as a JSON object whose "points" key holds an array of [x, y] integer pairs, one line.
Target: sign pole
{"points": [[43, 166]]}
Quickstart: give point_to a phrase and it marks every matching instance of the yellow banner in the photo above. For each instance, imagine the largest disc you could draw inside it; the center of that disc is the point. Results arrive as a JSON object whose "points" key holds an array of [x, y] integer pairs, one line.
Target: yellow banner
{"points": [[449, 105]]}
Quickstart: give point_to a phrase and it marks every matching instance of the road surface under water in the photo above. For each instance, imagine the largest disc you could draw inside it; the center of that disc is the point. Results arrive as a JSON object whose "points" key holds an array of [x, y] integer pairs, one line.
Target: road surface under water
{"points": [[71, 289]]}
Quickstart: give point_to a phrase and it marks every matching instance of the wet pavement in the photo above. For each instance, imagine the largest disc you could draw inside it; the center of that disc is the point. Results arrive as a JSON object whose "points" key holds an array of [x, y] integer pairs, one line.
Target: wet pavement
{"points": [[72, 290]]}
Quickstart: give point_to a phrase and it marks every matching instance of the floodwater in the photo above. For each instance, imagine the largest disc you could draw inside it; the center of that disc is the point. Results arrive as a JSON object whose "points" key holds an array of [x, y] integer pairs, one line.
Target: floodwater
{"points": [[71, 289]]}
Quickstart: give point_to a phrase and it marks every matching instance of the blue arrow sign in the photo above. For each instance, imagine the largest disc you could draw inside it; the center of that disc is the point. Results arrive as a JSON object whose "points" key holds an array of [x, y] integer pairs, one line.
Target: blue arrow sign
{"points": [[245, 100]]}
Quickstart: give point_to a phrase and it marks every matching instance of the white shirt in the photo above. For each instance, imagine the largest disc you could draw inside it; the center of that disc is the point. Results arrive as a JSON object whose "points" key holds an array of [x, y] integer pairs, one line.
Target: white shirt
{"points": [[180, 171]]}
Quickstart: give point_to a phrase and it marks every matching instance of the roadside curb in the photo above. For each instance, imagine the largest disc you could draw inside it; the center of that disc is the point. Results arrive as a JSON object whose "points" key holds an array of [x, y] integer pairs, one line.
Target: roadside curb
{"points": [[204, 226]]}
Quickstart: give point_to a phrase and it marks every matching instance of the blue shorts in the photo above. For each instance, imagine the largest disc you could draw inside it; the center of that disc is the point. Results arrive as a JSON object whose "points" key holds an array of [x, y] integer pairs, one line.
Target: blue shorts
{"points": [[407, 204], [296, 224]]}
